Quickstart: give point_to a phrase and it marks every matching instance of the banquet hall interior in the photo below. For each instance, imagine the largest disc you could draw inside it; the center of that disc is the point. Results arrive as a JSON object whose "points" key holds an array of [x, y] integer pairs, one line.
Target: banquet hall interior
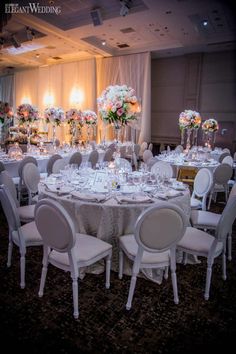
{"points": [[118, 176]]}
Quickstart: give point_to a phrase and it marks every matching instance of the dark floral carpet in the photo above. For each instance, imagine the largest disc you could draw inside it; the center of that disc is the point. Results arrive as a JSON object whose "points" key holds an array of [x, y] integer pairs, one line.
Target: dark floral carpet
{"points": [[153, 325]]}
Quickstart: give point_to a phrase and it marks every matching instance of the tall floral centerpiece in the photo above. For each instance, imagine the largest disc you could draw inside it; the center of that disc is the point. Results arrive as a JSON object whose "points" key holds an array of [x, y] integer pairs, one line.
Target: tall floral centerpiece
{"points": [[90, 120], [210, 128], [75, 118], [27, 114], [6, 115], [190, 121], [54, 115], [118, 105]]}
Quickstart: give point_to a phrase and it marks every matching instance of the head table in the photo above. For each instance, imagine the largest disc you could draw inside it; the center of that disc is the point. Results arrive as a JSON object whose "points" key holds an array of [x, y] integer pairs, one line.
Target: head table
{"points": [[111, 209]]}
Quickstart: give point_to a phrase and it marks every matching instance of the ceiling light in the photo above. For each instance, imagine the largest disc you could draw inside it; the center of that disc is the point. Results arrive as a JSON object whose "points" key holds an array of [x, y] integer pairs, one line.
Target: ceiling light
{"points": [[104, 42], [205, 23], [125, 6], [30, 34], [15, 42]]}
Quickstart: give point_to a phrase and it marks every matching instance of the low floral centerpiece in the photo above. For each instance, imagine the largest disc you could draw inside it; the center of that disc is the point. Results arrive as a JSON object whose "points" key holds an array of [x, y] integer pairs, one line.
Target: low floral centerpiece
{"points": [[54, 115], [118, 105], [26, 113], [210, 125]]}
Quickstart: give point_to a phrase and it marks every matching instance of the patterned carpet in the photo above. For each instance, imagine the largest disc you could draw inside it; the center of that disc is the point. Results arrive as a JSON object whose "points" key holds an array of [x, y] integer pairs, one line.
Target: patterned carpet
{"points": [[153, 325]]}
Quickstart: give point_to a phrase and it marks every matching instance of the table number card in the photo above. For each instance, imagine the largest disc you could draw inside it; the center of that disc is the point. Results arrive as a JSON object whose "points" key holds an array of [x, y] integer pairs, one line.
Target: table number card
{"points": [[100, 180]]}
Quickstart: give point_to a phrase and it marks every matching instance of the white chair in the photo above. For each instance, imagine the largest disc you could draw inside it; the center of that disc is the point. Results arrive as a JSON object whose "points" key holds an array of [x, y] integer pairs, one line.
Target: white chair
{"points": [[59, 165], [31, 179], [147, 154], [93, 158], [163, 169], [76, 158], [51, 161], [179, 149], [229, 160], [221, 176], [207, 220], [66, 249], [26, 212], [226, 150], [223, 155], [150, 163], [123, 164], [153, 244], [22, 236], [143, 147], [2, 167], [200, 243], [150, 147], [202, 186], [20, 184]]}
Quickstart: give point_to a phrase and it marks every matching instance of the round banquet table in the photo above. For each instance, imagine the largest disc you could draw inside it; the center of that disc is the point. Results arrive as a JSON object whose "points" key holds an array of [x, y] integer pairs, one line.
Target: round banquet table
{"points": [[11, 165], [109, 220]]}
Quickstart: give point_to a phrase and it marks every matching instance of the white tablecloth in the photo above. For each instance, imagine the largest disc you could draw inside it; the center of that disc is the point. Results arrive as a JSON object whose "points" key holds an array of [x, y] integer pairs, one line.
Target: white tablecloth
{"points": [[109, 220]]}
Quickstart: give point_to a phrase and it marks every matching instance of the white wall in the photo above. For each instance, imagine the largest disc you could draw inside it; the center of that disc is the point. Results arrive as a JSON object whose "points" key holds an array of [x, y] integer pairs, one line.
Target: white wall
{"points": [[205, 82]]}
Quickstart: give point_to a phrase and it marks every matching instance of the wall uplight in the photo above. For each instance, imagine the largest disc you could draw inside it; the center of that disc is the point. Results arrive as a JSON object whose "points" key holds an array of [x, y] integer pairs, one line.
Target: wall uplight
{"points": [[48, 99], [26, 100], [76, 97]]}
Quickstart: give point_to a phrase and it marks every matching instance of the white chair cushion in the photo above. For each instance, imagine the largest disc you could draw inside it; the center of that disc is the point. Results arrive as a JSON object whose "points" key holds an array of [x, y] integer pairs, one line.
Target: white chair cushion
{"points": [[26, 213], [16, 180], [30, 234], [129, 244], [195, 203], [198, 241], [204, 218], [86, 248]]}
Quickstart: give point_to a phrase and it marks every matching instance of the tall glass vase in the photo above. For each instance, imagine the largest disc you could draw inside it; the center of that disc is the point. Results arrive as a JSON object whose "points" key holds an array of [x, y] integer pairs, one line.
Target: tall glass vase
{"points": [[195, 135], [117, 131], [188, 142], [182, 136], [74, 130], [54, 135], [28, 129], [89, 132]]}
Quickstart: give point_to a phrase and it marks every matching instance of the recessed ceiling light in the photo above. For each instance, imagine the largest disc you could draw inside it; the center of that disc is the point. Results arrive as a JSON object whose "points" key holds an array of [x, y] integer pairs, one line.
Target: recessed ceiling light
{"points": [[205, 23], [104, 42]]}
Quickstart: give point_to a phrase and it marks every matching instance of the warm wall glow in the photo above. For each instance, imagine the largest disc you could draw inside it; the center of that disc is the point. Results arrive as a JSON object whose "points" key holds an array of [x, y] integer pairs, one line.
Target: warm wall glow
{"points": [[48, 99], [76, 97], [26, 100]]}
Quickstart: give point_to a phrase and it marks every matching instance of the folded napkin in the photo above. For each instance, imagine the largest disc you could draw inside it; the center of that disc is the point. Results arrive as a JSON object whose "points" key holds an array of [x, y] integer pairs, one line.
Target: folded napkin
{"points": [[168, 194], [89, 197], [60, 190], [136, 199]]}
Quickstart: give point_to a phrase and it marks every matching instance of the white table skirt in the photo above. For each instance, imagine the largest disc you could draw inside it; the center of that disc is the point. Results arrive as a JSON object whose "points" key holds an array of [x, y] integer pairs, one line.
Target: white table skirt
{"points": [[12, 166], [110, 220]]}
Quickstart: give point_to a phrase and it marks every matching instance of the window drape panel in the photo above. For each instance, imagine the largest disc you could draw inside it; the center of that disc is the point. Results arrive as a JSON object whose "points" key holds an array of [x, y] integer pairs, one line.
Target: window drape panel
{"points": [[7, 89]]}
